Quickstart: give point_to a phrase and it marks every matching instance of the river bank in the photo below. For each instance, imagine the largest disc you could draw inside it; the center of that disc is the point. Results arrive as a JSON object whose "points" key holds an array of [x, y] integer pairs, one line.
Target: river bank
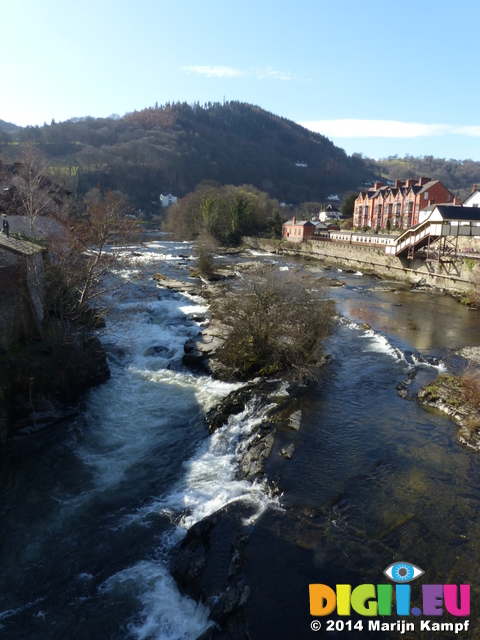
{"points": [[98, 515], [455, 275], [42, 380]]}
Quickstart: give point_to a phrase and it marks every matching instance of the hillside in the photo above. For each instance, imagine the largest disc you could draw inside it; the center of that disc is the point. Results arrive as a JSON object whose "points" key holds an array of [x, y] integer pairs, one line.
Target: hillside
{"points": [[457, 175], [172, 148], [8, 127]]}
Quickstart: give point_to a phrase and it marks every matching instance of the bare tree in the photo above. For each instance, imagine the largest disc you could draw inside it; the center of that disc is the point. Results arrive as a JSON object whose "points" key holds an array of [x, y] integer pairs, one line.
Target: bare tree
{"points": [[87, 251], [273, 324], [34, 192], [205, 247]]}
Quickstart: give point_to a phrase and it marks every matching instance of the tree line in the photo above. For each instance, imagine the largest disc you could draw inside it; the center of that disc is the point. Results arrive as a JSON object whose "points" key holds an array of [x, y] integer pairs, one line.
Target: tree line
{"points": [[173, 147], [224, 212]]}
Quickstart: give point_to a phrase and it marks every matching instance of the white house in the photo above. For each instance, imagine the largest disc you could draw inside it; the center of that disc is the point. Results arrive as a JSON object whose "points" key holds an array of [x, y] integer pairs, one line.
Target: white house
{"points": [[473, 199], [168, 200], [329, 213]]}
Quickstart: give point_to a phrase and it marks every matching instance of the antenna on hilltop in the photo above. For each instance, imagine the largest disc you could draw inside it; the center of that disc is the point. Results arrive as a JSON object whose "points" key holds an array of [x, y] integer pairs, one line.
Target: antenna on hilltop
{"points": [[223, 100]]}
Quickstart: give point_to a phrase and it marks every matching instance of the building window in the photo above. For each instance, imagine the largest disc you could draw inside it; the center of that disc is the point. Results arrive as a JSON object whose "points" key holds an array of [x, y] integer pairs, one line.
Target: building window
{"points": [[448, 198], [425, 195]]}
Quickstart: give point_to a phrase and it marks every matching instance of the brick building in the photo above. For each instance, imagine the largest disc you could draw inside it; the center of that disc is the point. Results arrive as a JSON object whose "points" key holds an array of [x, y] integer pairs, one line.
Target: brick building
{"points": [[296, 230], [398, 206]]}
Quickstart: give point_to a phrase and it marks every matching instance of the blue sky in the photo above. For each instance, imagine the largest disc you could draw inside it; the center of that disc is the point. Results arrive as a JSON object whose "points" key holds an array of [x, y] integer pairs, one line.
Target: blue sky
{"points": [[379, 78]]}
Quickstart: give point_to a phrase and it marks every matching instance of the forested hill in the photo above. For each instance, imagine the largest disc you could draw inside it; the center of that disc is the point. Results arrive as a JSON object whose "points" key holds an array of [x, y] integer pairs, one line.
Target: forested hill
{"points": [[458, 175], [8, 127], [172, 148]]}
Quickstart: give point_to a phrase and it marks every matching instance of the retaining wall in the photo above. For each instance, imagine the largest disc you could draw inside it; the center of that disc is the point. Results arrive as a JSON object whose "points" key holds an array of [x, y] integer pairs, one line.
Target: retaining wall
{"points": [[458, 275]]}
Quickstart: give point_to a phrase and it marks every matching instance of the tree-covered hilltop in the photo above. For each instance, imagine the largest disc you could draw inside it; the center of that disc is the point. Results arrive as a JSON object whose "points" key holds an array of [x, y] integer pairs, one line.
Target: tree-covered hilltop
{"points": [[457, 175], [8, 127], [174, 147]]}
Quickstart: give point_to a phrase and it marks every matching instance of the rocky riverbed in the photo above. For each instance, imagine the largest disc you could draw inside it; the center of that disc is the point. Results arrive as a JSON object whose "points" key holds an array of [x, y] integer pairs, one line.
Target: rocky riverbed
{"points": [[211, 564], [445, 394]]}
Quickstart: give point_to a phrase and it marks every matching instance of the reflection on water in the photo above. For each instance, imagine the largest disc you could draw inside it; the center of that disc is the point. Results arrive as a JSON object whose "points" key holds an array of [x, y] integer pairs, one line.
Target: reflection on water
{"points": [[89, 512], [422, 320]]}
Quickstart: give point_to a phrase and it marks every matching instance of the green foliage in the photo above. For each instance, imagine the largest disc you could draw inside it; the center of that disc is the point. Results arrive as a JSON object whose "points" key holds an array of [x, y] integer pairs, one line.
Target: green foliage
{"points": [[469, 263], [226, 213], [349, 205]]}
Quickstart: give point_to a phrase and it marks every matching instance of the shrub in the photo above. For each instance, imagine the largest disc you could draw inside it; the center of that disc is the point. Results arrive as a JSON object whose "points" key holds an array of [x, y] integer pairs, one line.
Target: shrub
{"points": [[273, 324], [470, 386], [205, 248]]}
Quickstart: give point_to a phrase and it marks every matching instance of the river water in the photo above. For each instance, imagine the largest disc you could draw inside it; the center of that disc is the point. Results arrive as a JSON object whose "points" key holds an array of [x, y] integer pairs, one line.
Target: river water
{"points": [[92, 510]]}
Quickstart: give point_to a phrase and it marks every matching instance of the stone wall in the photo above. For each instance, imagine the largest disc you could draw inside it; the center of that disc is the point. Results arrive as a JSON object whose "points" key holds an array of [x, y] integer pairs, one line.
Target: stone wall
{"points": [[22, 284], [457, 275]]}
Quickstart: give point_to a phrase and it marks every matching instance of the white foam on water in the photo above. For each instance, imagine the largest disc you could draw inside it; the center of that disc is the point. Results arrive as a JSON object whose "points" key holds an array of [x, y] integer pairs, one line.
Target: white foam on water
{"points": [[209, 482], [342, 320], [165, 614], [420, 361], [379, 343], [282, 391], [140, 409], [259, 254]]}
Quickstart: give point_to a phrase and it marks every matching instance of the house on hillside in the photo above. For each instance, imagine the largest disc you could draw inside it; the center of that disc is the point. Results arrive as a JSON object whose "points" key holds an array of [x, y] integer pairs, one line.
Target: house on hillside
{"points": [[328, 213], [168, 200], [399, 205], [297, 230]]}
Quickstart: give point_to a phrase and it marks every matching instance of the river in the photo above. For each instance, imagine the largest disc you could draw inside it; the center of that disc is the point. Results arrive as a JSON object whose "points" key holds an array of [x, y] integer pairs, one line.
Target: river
{"points": [[92, 510]]}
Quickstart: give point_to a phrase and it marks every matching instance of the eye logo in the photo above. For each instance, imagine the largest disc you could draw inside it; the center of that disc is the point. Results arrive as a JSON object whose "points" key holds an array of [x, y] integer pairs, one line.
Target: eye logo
{"points": [[403, 572]]}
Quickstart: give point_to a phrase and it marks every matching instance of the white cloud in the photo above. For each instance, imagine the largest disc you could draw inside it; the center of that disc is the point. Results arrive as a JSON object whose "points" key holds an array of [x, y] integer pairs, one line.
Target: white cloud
{"points": [[272, 73], [379, 129], [215, 72], [231, 72], [473, 130]]}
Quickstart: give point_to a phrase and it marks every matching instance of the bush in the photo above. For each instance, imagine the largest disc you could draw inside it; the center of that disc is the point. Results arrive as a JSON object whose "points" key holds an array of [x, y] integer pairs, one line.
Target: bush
{"points": [[205, 248], [470, 386], [273, 324]]}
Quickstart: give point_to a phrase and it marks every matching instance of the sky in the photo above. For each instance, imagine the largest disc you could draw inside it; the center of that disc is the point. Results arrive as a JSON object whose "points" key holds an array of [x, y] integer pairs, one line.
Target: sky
{"points": [[378, 78]]}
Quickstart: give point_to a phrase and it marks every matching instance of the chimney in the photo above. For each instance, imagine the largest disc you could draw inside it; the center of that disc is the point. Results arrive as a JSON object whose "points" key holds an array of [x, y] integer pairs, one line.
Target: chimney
{"points": [[377, 185], [410, 182], [423, 181], [457, 201], [474, 188], [399, 183], [294, 220]]}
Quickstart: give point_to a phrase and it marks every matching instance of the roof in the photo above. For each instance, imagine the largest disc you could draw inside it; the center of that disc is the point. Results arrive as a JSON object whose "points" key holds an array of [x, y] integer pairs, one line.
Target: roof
{"points": [[299, 223], [457, 212], [22, 247], [427, 186]]}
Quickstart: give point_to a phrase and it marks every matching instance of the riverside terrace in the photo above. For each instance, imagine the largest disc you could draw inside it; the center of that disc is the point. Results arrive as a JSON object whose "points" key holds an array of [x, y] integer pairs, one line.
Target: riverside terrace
{"points": [[443, 231], [438, 232]]}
